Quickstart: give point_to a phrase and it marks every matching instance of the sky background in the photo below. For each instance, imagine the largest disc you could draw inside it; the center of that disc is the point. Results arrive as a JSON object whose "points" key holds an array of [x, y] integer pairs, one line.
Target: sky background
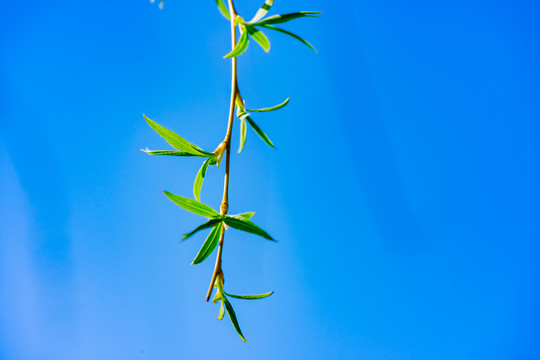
{"points": [[404, 190]]}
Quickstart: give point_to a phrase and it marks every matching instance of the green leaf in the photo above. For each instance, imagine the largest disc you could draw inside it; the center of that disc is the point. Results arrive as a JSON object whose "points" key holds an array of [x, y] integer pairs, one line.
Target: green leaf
{"points": [[291, 34], [259, 132], [243, 224], [241, 113], [223, 9], [251, 297], [243, 131], [176, 141], [167, 152], [239, 20], [273, 107], [210, 223], [219, 296], [232, 316], [262, 11], [246, 216], [193, 206], [279, 19], [241, 46], [199, 180], [221, 311], [259, 37], [209, 245]]}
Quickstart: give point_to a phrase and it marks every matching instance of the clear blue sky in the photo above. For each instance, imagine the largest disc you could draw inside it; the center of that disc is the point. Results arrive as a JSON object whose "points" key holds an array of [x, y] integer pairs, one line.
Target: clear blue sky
{"points": [[404, 190]]}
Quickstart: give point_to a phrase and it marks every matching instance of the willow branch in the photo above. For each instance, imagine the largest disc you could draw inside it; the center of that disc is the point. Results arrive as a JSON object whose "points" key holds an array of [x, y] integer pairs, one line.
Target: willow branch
{"points": [[227, 141]]}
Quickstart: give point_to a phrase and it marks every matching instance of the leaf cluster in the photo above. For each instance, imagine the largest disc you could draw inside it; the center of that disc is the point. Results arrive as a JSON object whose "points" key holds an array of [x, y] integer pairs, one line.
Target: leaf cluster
{"points": [[184, 148], [252, 28], [216, 221], [225, 305]]}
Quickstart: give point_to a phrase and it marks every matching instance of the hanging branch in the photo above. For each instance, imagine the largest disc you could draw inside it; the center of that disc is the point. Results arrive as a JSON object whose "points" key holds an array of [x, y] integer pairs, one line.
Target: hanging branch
{"points": [[219, 222]]}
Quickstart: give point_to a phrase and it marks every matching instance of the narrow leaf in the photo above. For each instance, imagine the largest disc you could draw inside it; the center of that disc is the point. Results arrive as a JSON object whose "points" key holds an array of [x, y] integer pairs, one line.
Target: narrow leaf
{"points": [[240, 47], [273, 107], [241, 113], [232, 316], [243, 132], [259, 37], [221, 311], [209, 245], [291, 34], [167, 152], [210, 223], [259, 132], [279, 19], [176, 140], [219, 296], [239, 102], [193, 206], [246, 225], [199, 180], [262, 11], [223, 9], [251, 297], [246, 216]]}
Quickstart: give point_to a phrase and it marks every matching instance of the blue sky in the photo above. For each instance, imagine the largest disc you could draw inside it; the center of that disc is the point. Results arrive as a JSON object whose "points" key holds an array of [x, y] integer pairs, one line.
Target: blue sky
{"points": [[403, 190]]}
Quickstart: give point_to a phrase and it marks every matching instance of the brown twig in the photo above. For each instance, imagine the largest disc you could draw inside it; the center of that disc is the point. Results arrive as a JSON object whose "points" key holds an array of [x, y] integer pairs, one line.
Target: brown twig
{"points": [[227, 141]]}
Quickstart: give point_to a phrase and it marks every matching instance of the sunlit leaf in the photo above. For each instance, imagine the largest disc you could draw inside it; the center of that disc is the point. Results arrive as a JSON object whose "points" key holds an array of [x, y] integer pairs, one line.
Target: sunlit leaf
{"points": [[246, 225], [262, 11], [193, 206], [243, 132], [221, 311], [167, 152], [241, 113], [241, 46], [199, 180], [176, 140], [259, 132], [232, 316], [251, 297], [239, 102], [279, 106], [209, 245], [291, 34], [210, 223], [219, 295], [239, 20], [246, 216], [223, 9], [279, 19], [259, 37]]}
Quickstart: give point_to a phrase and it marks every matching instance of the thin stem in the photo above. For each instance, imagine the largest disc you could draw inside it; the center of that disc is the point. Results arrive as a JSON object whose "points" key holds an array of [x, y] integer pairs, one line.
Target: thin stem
{"points": [[225, 201]]}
